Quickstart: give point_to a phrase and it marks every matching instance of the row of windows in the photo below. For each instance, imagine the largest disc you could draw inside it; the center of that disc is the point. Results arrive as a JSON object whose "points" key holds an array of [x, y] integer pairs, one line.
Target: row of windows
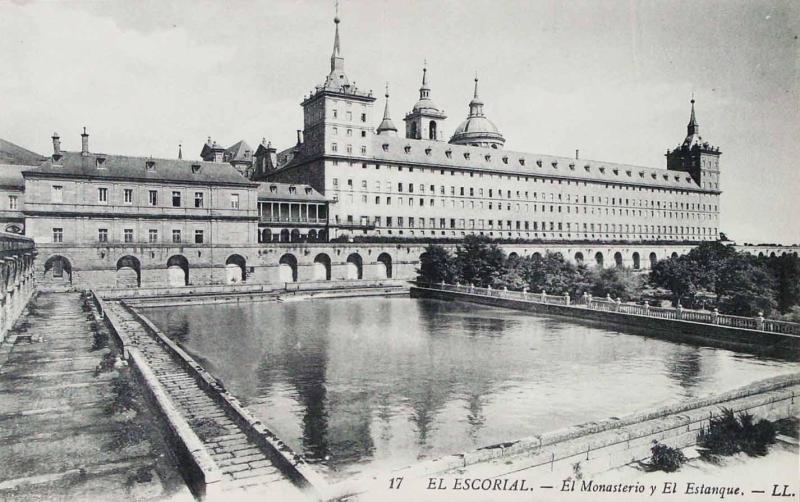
{"points": [[518, 177], [461, 223], [13, 202], [348, 132], [57, 196], [127, 235], [348, 148]]}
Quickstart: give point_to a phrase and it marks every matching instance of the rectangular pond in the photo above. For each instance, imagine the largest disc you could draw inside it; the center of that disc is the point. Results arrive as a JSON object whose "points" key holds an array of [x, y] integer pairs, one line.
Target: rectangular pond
{"points": [[360, 385]]}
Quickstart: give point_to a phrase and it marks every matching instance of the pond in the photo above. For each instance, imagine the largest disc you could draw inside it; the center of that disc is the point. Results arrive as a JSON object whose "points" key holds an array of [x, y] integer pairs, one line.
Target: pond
{"points": [[360, 385]]}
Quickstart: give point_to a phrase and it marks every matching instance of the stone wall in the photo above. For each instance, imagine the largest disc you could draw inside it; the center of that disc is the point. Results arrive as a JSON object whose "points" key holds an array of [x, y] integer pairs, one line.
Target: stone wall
{"points": [[17, 279]]}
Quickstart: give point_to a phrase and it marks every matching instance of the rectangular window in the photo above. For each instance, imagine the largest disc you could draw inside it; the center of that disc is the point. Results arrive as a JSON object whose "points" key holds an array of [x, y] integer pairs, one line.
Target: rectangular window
{"points": [[198, 236], [152, 235], [127, 235], [176, 199], [58, 235], [152, 197], [127, 196], [234, 201], [198, 199], [102, 235], [102, 195], [12, 202], [176, 236], [57, 193]]}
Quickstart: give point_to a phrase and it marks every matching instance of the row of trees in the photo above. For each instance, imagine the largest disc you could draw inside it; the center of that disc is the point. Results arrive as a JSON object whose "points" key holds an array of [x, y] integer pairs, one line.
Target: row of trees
{"points": [[736, 283]]}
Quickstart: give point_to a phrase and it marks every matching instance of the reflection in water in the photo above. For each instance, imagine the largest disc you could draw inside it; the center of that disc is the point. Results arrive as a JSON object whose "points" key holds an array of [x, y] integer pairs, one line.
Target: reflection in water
{"points": [[367, 384]]}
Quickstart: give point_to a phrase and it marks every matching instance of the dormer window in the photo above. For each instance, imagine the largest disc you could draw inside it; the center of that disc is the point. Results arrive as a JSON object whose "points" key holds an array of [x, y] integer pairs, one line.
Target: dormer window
{"points": [[572, 166], [308, 190], [505, 160], [641, 174], [407, 149], [292, 190], [427, 151], [554, 164], [522, 161], [150, 165], [628, 172], [195, 168], [448, 154], [615, 171], [602, 169], [100, 162], [273, 189], [385, 147], [539, 162], [653, 175], [466, 155], [666, 177], [487, 157], [587, 167]]}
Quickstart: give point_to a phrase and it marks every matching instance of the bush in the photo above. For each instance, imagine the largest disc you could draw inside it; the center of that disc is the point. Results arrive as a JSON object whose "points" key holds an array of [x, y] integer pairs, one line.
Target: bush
{"points": [[665, 458], [731, 433]]}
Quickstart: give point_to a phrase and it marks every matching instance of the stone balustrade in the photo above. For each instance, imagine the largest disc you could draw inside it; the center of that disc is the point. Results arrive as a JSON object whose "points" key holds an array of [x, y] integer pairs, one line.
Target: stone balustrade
{"points": [[17, 255]]}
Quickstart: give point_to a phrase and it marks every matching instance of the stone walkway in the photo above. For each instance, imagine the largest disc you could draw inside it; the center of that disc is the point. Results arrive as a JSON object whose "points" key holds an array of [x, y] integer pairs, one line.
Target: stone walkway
{"points": [[247, 471], [60, 436]]}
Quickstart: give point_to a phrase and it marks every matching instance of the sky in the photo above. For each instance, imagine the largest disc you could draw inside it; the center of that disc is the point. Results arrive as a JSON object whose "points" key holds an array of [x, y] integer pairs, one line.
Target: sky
{"points": [[612, 78]]}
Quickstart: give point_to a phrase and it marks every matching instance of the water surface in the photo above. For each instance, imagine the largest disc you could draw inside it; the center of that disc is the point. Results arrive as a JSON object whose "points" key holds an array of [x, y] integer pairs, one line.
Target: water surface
{"points": [[365, 384]]}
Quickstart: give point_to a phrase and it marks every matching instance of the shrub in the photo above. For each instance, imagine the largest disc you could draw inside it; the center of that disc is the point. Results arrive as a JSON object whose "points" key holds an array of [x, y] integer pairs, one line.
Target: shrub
{"points": [[665, 458], [731, 433]]}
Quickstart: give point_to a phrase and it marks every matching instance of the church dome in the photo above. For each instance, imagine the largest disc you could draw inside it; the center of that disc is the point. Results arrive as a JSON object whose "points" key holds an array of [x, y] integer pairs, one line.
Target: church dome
{"points": [[476, 129]]}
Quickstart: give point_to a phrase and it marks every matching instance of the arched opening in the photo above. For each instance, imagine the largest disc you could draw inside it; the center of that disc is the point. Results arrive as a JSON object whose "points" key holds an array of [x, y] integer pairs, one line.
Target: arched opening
{"points": [[760, 254], [178, 271], [674, 254], [312, 235], [295, 235], [653, 260], [598, 258], [285, 235], [636, 261], [772, 254], [355, 268], [579, 258], [235, 269], [287, 268], [266, 235], [537, 255], [432, 130], [513, 255], [13, 228], [322, 267], [129, 272], [58, 269], [414, 130], [385, 272], [322, 236], [618, 259]]}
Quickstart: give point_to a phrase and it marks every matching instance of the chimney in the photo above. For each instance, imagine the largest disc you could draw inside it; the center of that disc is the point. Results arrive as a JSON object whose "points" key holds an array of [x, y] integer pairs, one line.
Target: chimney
{"points": [[577, 152], [84, 142], [56, 145], [299, 136]]}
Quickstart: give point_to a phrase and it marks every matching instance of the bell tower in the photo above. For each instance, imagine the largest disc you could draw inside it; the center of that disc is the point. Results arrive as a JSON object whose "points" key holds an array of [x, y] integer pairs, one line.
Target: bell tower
{"points": [[696, 157], [425, 119]]}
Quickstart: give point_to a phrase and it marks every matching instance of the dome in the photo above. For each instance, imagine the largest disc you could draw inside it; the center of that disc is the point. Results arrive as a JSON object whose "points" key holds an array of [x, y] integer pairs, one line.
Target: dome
{"points": [[425, 104], [476, 125], [476, 129]]}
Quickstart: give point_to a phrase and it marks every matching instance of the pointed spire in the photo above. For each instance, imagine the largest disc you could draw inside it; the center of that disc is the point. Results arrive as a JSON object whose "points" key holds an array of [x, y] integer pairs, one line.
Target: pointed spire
{"points": [[180, 151], [476, 85], [476, 105], [387, 126], [337, 61], [693, 129]]}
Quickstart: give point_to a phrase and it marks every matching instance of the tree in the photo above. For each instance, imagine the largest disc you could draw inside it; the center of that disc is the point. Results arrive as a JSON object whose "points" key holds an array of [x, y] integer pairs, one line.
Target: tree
{"points": [[478, 262], [618, 282], [679, 275], [786, 270], [437, 264]]}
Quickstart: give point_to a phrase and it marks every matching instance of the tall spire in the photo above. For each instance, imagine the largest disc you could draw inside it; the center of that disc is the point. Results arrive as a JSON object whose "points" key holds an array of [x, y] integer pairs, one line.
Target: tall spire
{"points": [[693, 127], [337, 61], [476, 105], [424, 91], [387, 126], [692, 130]]}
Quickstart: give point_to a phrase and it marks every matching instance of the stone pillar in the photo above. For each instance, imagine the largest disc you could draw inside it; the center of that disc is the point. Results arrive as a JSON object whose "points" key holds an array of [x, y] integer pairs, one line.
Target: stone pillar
{"points": [[679, 312], [760, 321], [715, 315], [566, 298]]}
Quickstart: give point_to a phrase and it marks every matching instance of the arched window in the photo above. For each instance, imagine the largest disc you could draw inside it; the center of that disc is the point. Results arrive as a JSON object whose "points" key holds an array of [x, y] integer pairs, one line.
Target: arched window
{"points": [[432, 130]]}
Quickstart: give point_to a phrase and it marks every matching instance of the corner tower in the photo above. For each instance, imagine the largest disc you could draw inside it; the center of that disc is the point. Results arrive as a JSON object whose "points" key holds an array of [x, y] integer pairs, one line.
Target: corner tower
{"points": [[336, 114], [696, 157], [424, 120]]}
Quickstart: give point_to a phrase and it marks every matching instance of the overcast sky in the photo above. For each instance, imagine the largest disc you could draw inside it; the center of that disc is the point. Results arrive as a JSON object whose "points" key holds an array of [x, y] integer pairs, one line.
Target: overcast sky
{"points": [[612, 78]]}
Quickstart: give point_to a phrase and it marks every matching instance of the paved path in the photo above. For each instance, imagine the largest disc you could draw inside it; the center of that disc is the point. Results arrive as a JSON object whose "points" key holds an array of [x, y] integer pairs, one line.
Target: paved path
{"points": [[244, 466], [58, 439]]}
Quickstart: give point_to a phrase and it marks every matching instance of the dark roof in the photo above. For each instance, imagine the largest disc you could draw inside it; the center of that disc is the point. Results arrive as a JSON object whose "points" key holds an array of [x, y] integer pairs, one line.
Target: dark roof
{"points": [[11, 175], [124, 167], [16, 155], [282, 192], [239, 151]]}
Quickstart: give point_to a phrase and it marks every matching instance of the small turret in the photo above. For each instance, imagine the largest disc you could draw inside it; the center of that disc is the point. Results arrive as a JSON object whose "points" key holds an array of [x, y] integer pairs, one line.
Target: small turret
{"points": [[387, 126]]}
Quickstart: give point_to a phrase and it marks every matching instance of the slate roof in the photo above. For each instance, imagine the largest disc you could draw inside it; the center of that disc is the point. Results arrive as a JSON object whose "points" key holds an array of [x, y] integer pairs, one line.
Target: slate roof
{"points": [[11, 154], [433, 153], [11, 175], [134, 168], [302, 192], [240, 151]]}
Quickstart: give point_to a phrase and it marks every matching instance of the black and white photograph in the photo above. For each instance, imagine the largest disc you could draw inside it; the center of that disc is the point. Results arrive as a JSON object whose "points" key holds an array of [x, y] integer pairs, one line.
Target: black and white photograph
{"points": [[384, 250]]}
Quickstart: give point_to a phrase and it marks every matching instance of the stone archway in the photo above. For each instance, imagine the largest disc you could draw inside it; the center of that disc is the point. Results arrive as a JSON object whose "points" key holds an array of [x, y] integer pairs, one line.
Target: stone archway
{"points": [[385, 270], [235, 269], [355, 266], [653, 260], [598, 259], [287, 268], [177, 270], [129, 272], [58, 269], [636, 261], [618, 259], [579, 258], [322, 267]]}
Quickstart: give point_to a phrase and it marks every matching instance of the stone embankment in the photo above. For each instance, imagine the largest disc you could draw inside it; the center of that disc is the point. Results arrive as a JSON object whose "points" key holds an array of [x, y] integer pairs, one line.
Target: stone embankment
{"points": [[225, 451]]}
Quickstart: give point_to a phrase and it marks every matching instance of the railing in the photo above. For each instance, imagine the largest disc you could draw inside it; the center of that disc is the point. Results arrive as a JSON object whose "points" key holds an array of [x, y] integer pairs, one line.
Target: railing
{"points": [[609, 305], [292, 219]]}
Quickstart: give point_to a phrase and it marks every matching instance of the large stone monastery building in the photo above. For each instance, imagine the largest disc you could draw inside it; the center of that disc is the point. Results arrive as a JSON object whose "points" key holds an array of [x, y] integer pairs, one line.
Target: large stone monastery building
{"points": [[421, 185]]}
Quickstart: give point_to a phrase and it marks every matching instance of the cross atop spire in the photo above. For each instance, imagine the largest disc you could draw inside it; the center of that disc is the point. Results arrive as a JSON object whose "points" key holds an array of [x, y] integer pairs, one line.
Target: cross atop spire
{"points": [[387, 126], [693, 128], [337, 61]]}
